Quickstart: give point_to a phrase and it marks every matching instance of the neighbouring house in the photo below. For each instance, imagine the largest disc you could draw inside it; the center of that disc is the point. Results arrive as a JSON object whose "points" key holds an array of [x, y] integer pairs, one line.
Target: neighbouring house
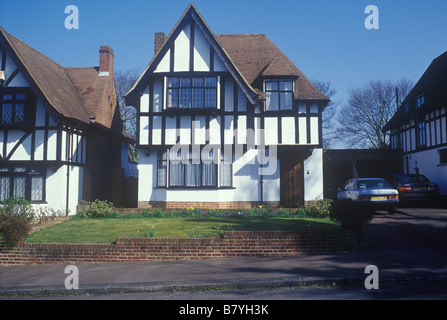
{"points": [[225, 121], [419, 127], [60, 128]]}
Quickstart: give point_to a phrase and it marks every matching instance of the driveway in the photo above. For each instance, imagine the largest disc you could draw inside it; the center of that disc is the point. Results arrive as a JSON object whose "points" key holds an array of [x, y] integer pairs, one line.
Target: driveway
{"points": [[407, 230], [426, 213]]}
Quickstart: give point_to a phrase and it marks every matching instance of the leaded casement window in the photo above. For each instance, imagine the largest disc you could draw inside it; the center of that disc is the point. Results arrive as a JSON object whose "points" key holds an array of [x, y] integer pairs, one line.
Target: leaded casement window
{"points": [[162, 169], [192, 93], [15, 107], [226, 171], [420, 100], [279, 95], [421, 134], [22, 181], [192, 170]]}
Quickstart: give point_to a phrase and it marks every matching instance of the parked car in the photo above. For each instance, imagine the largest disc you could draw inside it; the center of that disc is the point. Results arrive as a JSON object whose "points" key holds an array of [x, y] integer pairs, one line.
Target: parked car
{"points": [[375, 193], [414, 187]]}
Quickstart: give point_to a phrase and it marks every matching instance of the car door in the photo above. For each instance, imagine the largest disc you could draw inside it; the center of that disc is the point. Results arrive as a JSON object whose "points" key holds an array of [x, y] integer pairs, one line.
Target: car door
{"points": [[345, 193], [351, 190]]}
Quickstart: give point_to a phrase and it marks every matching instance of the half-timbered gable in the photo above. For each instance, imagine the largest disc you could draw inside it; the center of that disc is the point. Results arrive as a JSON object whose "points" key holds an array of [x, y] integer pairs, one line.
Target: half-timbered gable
{"points": [[216, 116], [48, 117], [419, 126]]}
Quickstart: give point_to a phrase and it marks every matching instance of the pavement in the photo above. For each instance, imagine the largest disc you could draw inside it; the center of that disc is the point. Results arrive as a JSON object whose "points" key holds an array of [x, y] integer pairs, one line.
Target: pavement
{"points": [[408, 245]]}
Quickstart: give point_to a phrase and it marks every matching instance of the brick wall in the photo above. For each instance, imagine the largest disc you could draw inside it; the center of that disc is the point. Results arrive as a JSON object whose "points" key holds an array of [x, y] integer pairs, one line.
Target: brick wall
{"points": [[207, 205], [233, 244]]}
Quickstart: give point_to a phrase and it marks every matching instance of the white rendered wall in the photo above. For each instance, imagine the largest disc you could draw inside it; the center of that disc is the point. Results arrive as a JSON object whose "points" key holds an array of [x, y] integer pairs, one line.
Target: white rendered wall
{"points": [[200, 54], [428, 164], [56, 189], [313, 176], [246, 183]]}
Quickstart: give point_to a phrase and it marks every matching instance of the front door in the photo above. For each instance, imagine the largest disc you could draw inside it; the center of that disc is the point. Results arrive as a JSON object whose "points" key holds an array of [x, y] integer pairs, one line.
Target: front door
{"points": [[291, 185]]}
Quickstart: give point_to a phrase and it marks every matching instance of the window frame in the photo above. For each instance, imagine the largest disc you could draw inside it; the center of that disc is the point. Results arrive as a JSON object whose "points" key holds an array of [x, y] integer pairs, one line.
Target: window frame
{"points": [[442, 156], [421, 134], [420, 100], [28, 173], [225, 163], [28, 103], [182, 171], [279, 91], [197, 92]]}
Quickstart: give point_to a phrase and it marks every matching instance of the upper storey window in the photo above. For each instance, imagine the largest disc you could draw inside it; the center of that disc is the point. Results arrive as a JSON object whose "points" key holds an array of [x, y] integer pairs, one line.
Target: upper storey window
{"points": [[14, 108], [195, 92], [279, 95], [420, 101]]}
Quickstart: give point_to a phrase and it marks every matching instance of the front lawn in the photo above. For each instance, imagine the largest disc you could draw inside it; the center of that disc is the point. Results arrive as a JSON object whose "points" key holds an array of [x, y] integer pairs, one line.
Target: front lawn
{"points": [[100, 230]]}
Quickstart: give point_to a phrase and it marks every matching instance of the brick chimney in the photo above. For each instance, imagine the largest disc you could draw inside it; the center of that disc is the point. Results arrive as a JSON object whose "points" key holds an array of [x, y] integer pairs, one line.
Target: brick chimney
{"points": [[106, 59], [160, 39]]}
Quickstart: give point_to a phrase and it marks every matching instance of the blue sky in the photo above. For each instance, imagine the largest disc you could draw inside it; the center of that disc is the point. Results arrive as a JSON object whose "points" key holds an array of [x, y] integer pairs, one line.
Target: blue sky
{"points": [[326, 39]]}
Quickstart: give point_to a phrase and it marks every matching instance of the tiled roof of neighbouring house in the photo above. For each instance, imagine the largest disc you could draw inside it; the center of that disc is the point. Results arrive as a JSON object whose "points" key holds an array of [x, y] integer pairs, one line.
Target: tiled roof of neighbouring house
{"points": [[74, 93], [432, 85]]}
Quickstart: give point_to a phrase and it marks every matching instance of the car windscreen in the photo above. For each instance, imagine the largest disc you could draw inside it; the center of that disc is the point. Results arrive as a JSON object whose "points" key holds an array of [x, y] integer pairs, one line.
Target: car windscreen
{"points": [[413, 178], [372, 184], [419, 178]]}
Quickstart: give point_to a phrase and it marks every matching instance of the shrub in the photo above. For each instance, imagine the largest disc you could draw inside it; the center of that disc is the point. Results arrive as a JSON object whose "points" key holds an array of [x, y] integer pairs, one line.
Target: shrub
{"points": [[98, 209], [16, 215], [319, 209], [45, 213]]}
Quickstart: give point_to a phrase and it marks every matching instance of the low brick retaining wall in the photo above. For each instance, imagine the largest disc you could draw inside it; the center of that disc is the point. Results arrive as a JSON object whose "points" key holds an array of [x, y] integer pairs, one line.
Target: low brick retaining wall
{"points": [[233, 244], [231, 205]]}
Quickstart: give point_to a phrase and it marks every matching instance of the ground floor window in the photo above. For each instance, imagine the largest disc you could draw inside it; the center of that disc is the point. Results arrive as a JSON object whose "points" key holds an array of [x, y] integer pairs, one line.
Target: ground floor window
{"points": [[200, 169], [22, 181], [443, 156]]}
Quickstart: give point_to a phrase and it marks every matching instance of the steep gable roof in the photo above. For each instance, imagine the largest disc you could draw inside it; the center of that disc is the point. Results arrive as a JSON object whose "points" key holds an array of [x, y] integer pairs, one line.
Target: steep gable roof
{"points": [[74, 93], [432, 85], [48, 77], [257, 57], [191, 13], [247, 57]]}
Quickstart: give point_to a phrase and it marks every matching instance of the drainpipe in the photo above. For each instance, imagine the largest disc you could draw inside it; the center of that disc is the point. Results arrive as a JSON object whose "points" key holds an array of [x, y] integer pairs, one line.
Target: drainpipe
{"points": [[68, 190], [261, 178]]}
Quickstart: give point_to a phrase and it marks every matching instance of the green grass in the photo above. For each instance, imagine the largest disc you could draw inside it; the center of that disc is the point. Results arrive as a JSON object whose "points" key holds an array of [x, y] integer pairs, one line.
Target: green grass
{"points": [[78, 230]]}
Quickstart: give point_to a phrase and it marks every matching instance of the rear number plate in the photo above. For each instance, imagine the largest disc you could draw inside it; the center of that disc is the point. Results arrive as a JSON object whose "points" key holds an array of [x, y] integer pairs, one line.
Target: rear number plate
{"points": [[419, 188], [379, 198]]}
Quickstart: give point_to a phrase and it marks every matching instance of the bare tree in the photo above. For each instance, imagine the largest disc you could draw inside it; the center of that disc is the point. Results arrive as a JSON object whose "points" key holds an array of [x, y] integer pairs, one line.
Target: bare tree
{"points": [[124, 80], [367, 111], [330, 125]]}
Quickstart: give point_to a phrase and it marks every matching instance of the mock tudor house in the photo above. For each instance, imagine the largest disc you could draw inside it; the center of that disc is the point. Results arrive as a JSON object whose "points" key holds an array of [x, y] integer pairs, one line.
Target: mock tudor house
{"points": [[419, 127], [60, 129], [225, 121]]}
